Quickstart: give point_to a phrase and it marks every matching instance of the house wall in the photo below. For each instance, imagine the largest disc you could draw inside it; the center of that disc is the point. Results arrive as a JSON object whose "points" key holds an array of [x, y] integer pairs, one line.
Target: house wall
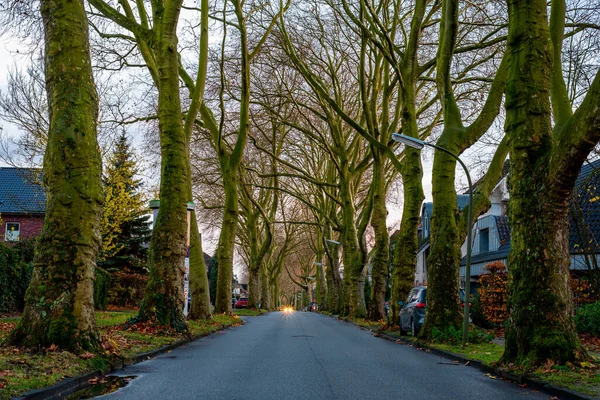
{"points": [[421, 270], [483, 223], [30, 225]]}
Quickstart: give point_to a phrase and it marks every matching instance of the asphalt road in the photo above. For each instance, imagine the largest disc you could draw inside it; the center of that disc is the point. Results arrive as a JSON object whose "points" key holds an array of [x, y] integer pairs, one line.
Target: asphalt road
{"points": [[307, 356]]}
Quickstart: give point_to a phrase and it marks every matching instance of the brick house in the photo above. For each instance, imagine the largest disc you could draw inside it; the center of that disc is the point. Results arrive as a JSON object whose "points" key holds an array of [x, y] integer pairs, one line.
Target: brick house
{"points": [[22, 203]]}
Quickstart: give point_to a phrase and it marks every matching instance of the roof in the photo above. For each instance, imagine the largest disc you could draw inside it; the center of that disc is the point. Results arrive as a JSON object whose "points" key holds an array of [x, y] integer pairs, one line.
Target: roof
{"points": [[21, 191], [586, 205], [584, 236], [462, 200], [503, 229]]}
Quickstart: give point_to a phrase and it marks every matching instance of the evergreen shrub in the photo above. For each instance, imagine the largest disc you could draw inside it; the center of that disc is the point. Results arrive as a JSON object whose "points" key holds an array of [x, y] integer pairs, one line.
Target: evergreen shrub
{"points": [[101, 287], [587, 319], [15, 275]]}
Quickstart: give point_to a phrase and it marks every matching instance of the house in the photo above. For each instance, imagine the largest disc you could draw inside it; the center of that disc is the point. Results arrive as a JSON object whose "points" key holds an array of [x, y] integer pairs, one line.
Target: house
{"points": [[491, 231], [424, 232], [22, 203]]}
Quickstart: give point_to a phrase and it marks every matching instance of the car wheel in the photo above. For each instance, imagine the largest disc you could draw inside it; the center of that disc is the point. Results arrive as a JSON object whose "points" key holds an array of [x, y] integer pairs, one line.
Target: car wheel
{"points": [[413, 329]]}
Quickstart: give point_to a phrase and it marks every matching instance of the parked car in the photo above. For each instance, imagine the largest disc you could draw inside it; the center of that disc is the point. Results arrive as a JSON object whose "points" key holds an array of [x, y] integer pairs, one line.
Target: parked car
{"points": [[412, 313], [242, 303], [312, 306]]}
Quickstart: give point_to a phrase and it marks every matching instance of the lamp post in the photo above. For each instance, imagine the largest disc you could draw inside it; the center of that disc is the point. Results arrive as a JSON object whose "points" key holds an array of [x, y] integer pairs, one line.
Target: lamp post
{"points": [[419, 144]]}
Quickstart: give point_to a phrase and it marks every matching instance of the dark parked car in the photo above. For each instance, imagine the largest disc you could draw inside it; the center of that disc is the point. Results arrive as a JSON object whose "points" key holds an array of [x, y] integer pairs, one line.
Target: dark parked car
{"points": [[412, 313], [242, 303]]}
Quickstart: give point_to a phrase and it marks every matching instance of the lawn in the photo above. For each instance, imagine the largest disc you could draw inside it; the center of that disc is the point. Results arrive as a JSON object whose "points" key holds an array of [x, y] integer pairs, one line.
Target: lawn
{"points": [[22, 370], [249, 312]]}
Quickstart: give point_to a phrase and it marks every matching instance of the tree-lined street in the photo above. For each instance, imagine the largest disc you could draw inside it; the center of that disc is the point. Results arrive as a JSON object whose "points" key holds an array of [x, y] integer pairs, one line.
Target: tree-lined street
{"points": [[307, 356]]}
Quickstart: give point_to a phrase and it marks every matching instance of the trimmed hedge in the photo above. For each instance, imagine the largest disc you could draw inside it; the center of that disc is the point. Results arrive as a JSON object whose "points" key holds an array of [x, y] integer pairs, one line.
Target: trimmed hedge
{"points": [[587, 319], [101, 287], [15, 275]]}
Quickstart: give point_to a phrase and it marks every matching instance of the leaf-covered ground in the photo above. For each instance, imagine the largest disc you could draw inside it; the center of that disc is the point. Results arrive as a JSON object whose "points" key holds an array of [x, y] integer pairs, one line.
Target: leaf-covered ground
{"points": [[22, 370]]}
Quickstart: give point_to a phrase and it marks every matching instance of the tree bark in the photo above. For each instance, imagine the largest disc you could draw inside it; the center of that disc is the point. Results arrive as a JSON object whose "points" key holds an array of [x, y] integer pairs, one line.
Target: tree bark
{"points": [[227, 242], [59, 303], [164, 298], [540, 326], [379, 271]]}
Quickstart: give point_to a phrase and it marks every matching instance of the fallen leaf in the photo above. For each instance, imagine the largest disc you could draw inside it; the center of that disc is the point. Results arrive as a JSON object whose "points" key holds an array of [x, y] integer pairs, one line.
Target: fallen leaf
{"points": [[52, 347], [87, 355], [524, 385], [468, 363]]}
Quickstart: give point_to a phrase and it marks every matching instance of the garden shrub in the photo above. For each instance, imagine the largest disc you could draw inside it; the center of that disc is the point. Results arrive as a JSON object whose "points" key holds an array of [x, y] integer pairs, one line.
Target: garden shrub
{"points": [[101, 287], [477, 315], [127, 289], [14, 279], [453, 336], [492, 292], [587, 319]]}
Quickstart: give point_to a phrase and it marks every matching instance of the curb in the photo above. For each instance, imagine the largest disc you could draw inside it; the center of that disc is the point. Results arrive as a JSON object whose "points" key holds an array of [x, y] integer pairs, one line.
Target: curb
{"points": [[539, 385], [77, 383]]}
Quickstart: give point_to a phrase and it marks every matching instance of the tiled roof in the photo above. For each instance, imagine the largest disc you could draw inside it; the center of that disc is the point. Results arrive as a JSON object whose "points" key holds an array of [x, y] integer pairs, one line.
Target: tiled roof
{"points": [[503, 228], [585, 207], [21, 191], [587, 188]]}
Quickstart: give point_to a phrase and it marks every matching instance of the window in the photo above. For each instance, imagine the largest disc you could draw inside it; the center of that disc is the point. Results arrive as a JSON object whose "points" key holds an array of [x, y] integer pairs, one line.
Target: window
{"points": [[484, 240], [13, 231]]}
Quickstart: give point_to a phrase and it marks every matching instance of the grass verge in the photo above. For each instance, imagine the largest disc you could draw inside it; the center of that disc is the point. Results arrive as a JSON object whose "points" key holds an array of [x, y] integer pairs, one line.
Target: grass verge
{"points": [[22, 370], [249, 312]]}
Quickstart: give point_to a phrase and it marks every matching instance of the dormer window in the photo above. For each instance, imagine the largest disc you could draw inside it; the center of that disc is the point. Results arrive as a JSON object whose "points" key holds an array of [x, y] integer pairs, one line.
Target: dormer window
{"points": [[484, 240]]}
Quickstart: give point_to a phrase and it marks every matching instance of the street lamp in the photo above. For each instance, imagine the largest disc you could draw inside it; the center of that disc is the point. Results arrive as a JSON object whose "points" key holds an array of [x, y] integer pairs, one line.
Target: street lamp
{"points": [[333, 242], [419, 144]]}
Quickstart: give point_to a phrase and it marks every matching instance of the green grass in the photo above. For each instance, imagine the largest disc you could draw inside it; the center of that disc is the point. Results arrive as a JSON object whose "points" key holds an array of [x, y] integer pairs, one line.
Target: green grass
{"points": [[579, 379], [108, 318], [488, 353], [248, 312], [21, 370]]}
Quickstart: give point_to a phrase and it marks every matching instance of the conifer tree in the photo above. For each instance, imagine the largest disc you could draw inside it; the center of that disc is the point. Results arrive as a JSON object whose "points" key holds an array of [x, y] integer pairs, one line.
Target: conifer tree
{"points": [[124, 227]]}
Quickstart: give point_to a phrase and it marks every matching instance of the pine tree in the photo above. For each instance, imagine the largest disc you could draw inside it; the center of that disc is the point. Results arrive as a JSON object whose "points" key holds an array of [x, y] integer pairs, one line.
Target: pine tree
{"points": [[125, 227]]}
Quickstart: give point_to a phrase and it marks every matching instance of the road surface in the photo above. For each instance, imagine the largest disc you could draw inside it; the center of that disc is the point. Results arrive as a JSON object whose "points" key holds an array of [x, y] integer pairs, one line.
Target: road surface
{"points": [[307, 356]]}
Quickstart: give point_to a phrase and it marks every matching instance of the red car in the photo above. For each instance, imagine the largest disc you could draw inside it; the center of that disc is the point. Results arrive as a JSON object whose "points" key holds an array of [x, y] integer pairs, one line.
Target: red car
{"points": [[242, 303]]}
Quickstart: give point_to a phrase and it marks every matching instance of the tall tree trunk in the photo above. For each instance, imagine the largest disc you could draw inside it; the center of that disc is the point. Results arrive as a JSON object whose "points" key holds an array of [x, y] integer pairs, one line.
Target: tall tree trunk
{"points": [[379, 272], [227, 242], [265, 296], [405, 251], [443, 262], [351, 251], [540, 326], [164, 298], [335, 284], [59, 303], [199, 287]]}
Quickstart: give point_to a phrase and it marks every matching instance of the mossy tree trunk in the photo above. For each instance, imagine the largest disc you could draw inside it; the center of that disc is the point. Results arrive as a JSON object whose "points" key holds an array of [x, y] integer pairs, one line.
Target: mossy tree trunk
{"points": [[545, 162], [406, 247], [156, 39], [164, 298], [226, 244], [443, 262], [381, 251], [59, 303], [335, 284], [199, 287]]}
